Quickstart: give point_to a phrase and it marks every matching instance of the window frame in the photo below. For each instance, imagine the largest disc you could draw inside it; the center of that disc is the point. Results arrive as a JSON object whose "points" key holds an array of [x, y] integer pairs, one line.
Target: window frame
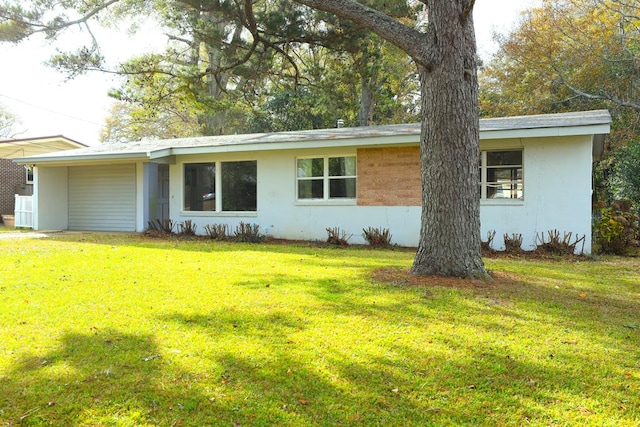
{"points": [[326, 179], [484, 167], [218, 211]]}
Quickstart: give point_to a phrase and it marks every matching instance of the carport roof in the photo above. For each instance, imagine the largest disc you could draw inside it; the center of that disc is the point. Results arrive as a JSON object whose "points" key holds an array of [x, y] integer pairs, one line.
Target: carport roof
{"points": [[19, 148], [596, 122]]}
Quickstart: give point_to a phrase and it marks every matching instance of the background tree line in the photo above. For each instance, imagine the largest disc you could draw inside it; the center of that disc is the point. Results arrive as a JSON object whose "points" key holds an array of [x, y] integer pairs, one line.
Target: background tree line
{"points": [[570, 55]]}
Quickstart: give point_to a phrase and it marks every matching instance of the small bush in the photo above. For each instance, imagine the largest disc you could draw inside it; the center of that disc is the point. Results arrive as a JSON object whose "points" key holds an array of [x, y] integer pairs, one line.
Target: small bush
{"points": [[513, 243], [617, 230], [162, 226], [379, 238], [487, 246], [248, 233], [187, 228], [217, 231], [337, 237], [554, 245]]}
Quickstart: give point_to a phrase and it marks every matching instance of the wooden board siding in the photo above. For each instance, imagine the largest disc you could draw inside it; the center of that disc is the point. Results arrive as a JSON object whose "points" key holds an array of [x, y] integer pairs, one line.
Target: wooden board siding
{"points": [[102, 198], [389, 176]]}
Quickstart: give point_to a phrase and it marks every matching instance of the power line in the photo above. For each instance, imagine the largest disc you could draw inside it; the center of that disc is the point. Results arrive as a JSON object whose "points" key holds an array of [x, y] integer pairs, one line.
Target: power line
{"points": [[51, 111]]}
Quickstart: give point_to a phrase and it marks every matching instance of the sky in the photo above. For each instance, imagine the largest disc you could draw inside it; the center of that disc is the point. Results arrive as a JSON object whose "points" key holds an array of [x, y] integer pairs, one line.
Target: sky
{"points": [[48, 104]]}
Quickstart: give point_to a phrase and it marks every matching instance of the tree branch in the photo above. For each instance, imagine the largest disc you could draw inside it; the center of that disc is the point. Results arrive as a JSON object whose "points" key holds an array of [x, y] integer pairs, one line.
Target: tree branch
{"points": [[416, 44], [606, 97]]}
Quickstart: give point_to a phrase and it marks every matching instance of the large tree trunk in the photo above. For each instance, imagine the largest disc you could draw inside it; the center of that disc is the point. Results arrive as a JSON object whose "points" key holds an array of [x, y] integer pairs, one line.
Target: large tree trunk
{"points": [[446, 57], [450, 229]]}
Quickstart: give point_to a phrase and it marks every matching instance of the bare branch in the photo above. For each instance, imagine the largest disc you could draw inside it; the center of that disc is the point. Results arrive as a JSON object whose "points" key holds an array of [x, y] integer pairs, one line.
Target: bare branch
{"points": [[606, 97]]}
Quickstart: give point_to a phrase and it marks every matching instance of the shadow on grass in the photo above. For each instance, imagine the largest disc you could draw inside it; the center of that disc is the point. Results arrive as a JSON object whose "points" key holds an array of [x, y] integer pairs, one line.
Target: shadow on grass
{"points": [[105, 378]]}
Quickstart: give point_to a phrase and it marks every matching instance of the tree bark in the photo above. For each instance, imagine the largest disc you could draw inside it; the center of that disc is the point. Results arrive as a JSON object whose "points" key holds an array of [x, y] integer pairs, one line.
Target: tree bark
{"points": [[367, 102], [450, 227], [445, 54]]}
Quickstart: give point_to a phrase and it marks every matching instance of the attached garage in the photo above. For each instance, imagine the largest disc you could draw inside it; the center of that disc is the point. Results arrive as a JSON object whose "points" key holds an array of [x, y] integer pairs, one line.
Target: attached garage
{"points": [[102, 198]]}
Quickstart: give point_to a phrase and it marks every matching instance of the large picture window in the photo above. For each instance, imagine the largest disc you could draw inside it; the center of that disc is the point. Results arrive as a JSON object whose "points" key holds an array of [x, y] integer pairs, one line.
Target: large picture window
{"points": [[325, 178], [220, 186], [501, 175]]}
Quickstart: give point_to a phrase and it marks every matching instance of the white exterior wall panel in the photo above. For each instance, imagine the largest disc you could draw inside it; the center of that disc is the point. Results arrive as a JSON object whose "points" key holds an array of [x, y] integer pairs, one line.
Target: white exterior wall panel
{"points": [[557, 195], [102, 198]]}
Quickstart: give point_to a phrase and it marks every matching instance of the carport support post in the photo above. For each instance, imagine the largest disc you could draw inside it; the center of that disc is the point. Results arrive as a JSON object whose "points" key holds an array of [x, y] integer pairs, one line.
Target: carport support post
{"points": [[146, 194]]}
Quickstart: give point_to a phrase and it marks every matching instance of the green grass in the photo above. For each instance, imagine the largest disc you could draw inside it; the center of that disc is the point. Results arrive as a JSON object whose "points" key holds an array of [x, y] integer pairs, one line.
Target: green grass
{"points": [[117, 330]]}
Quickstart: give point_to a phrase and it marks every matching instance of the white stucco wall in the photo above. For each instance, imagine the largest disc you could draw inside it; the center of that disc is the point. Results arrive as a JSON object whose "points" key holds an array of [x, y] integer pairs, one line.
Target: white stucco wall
{"points": [[50, 198], [557, 195], [557, 191]]}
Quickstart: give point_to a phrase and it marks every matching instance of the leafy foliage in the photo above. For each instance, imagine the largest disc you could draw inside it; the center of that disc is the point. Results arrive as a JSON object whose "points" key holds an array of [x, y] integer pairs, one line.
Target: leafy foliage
{"points": [[617, 230], [569, 55], [625, 179]]}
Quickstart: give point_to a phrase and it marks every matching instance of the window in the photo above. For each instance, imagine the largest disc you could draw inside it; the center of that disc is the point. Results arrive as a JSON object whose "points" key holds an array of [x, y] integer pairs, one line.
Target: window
{"points": [[220, 186], [325, 178], [501, 175]]}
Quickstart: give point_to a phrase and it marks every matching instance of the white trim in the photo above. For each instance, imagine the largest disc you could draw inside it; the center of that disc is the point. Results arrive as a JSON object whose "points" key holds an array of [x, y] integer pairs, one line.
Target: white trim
{"points": [[326, 200], [214, 214]]}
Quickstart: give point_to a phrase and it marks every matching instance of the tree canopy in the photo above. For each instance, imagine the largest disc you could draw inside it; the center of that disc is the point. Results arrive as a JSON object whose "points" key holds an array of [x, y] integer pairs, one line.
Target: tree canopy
{"points": [[573, 55], [569, 55]]}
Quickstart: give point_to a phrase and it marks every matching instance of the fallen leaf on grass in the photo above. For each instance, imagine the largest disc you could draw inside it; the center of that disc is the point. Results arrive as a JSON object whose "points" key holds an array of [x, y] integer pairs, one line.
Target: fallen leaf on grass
{"points": [[303, 401], [572, 342], [153, 356]]}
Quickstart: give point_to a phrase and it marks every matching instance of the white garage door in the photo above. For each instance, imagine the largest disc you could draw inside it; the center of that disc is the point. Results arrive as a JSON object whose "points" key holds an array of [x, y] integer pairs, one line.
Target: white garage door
{"points": [[102, 198]]}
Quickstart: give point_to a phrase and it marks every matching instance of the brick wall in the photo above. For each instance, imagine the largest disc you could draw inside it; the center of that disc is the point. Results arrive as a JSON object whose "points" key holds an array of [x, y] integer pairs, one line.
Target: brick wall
{"points": [[389, 176], [12, 181]]}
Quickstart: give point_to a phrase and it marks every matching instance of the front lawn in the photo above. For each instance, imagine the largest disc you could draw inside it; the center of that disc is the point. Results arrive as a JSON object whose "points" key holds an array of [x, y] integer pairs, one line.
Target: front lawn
{"points": [[117, 330]]}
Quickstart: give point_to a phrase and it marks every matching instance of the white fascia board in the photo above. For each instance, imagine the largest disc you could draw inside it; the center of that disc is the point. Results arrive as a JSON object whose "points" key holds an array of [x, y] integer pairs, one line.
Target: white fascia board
{"points": [[546, 132], [85, 159], [295, 145]]}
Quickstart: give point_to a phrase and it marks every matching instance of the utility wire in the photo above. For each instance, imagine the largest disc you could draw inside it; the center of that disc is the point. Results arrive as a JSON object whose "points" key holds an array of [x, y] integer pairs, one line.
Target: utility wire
{"points": [[50, 111]]}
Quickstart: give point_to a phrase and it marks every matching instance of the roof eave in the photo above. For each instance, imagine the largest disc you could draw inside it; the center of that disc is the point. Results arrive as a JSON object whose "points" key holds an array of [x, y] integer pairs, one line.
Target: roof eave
{"points": [[50, 160]]}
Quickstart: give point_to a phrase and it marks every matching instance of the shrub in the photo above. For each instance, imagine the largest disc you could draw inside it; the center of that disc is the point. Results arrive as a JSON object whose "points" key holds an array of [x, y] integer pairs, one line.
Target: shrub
{"points": [[163, 226], [617, 229], [486, 246], [248, 233], [337, 237], [380, 238], [217, 231], [554, 245], [187, 228], [513, 243]]}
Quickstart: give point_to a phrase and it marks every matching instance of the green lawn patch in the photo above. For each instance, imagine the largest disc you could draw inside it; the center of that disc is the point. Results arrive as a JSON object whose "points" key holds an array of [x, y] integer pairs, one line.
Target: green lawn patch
{"points": [[119, 330]]}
